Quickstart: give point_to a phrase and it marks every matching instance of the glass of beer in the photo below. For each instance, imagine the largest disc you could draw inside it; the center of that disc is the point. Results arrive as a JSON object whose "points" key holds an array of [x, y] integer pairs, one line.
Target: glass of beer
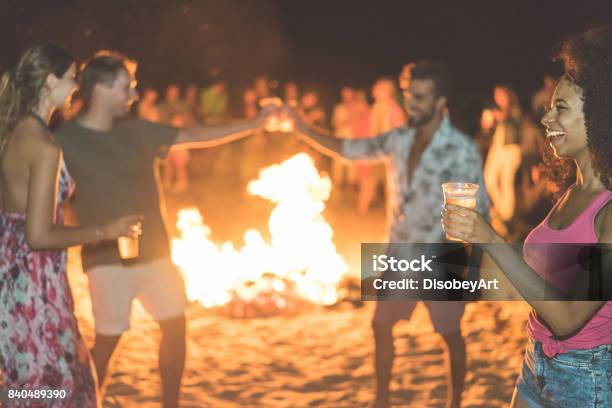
{"points": [[272, 123], [461, 194], [128, 245]]}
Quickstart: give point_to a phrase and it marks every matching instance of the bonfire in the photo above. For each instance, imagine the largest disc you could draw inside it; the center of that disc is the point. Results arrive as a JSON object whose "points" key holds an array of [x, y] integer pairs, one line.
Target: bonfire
{"points": [[298, 266]]}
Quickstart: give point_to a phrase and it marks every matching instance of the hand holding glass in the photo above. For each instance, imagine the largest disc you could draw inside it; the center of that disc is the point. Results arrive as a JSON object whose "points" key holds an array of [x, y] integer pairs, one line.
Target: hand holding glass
{"points": [[461, 194], [277, 116], [128, 245]]}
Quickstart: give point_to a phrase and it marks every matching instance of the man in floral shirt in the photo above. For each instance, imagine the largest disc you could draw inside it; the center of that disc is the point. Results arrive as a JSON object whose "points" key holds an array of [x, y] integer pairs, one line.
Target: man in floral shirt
{"points": [[420, 157], [413, 204]]}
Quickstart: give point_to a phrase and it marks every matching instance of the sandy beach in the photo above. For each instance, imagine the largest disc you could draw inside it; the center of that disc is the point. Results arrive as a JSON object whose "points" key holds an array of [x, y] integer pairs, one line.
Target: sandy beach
{"points": [[322, 357]]}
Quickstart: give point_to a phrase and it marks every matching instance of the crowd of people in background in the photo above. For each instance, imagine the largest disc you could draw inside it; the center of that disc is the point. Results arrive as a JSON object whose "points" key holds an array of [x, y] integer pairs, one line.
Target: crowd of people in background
{"points": [[512, 147], [518, 185]]}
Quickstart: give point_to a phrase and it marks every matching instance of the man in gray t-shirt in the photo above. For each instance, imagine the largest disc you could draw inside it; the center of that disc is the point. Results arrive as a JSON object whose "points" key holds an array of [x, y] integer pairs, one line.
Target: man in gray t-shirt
{"points": [[115, 170], [112, 160]]}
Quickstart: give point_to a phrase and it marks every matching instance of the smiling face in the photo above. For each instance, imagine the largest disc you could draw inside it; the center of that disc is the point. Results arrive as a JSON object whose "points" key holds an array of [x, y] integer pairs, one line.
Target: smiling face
{"points": [[564, 122]]}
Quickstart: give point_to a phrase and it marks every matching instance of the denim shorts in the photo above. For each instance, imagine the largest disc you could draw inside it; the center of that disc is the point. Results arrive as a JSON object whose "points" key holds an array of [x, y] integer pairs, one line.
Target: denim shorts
{"points": [[576, 379]]}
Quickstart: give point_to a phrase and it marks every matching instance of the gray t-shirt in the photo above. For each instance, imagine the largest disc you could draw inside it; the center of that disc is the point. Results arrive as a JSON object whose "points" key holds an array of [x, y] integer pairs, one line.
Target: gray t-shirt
{"points": [[116, 175]]}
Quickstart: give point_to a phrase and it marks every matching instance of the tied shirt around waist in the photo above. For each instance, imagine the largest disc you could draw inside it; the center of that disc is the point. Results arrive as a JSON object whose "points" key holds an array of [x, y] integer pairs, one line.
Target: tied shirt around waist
{"points": [[557, 269]]}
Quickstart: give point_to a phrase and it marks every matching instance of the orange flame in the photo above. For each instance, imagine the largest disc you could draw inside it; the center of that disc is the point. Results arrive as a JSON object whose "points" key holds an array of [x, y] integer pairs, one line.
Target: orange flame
{"points": [[300, 256]]}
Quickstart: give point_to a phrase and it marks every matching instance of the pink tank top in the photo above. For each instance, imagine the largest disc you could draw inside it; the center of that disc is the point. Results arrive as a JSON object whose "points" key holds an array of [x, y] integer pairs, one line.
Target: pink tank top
{"points": [[598, 330]]}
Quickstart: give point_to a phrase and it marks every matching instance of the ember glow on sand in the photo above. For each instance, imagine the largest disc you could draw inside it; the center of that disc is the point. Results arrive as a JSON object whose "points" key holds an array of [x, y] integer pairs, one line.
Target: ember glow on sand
{"points": [[299, 261]]}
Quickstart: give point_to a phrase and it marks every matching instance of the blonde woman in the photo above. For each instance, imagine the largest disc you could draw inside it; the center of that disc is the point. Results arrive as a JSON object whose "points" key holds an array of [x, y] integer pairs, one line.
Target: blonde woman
{"points": [[40, 344]]}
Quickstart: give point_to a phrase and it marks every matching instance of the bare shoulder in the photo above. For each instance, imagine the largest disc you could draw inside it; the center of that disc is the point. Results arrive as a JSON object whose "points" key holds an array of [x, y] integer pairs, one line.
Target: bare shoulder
{"points": [[34, 143], [603, 223], [29, 129]]}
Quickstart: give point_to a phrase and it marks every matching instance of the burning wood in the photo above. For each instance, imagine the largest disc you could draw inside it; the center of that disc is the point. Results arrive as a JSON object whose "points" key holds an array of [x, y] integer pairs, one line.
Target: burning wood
{"points": [[299, 266]]}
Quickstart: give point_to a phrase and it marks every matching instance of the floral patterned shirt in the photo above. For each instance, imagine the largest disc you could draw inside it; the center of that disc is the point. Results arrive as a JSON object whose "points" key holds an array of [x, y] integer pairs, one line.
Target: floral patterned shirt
{"points": [[413, 208]]}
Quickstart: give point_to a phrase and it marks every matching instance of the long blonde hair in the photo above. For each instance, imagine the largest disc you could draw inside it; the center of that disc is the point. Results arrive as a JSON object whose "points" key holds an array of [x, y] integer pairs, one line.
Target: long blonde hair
{"points": [[21, 87]]}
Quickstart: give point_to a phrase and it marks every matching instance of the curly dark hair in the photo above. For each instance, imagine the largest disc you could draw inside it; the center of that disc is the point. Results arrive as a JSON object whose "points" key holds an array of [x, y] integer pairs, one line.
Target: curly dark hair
{"points": [[587, 59]]}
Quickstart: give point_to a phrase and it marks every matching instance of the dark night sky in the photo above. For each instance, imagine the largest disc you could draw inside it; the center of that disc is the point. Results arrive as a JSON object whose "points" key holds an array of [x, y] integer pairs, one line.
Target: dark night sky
{"points": [[324, 44]]}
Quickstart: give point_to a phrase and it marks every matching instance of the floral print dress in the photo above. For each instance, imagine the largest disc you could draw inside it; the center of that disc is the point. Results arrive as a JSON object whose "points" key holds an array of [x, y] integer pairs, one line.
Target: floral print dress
{"points": [[40, 343]]}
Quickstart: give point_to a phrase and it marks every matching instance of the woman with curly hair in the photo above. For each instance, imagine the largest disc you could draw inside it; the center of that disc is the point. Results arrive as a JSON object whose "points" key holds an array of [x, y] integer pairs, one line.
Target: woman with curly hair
{"points": [[568, 361], [40, 344]]}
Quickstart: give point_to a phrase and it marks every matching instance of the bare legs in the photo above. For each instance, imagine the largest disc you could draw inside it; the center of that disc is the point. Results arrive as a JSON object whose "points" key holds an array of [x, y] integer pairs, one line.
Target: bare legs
{"points": [[385, 353], [171, 358], [102, 353], [456, 368]]}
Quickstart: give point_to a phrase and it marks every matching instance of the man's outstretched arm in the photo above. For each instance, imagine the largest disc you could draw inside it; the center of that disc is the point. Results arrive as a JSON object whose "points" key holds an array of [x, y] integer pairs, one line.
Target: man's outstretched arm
{"points": [[320, 139], [348, 149], [214, 135]]}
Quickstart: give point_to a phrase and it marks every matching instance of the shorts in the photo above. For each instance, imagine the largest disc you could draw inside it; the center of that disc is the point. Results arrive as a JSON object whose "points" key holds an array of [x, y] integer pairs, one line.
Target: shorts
{"points": [[157, 284], [445, 316], [578, 378]]}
